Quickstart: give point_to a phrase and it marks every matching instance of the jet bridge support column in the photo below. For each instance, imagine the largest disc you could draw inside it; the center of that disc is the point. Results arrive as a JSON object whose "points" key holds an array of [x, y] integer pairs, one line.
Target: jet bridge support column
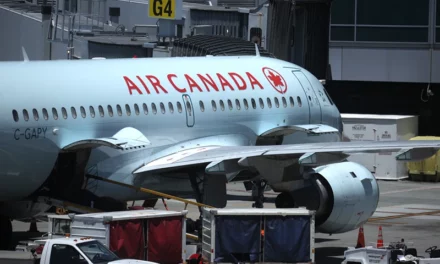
{"points": [[46, 12]]}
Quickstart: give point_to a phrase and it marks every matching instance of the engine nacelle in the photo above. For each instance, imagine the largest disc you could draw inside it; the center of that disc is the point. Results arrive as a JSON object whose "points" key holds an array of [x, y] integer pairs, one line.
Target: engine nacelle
{"points": [[344, 195]]}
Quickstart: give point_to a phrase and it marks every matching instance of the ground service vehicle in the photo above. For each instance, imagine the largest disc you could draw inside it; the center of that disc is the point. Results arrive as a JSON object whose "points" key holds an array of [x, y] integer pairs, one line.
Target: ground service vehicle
{"points": [[69, 250]]}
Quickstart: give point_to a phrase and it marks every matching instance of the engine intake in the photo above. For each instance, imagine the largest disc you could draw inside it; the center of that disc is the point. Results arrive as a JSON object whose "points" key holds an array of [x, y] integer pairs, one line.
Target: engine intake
{"points": [[344, 195]]}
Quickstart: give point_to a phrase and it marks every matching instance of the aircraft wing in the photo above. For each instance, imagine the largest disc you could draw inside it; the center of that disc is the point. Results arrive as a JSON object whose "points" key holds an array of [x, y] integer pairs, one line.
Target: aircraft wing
{"points": [[218, 158]]}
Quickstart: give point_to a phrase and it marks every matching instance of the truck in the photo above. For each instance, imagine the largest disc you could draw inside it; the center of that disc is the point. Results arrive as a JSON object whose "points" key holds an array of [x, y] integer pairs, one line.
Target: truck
{"points": [[81, 250], [146, 234], [258, 235]]}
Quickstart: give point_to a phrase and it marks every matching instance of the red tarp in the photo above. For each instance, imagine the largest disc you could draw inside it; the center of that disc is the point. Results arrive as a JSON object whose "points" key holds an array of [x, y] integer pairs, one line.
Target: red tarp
{"points": [[165, 240], [126, 239]]}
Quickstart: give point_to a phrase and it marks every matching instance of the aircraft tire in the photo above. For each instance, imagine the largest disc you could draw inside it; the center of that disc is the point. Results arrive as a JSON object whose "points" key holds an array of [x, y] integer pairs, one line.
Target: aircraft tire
{"points": [[5, 233], [284, 200]]}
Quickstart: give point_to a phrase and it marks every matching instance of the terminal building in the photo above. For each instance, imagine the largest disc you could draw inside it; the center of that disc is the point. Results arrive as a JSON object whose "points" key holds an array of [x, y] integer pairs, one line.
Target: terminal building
{"points": [[385, 58], [377, 57]]}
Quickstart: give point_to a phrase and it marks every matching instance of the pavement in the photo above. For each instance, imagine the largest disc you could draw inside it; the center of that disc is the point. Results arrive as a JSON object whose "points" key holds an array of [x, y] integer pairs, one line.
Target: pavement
{"points": [[409, 210]]}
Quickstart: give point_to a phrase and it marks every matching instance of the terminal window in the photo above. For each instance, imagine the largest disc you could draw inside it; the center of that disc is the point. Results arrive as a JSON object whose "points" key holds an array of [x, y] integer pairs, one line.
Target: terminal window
{"points": [[380, 21], [437, 22]]}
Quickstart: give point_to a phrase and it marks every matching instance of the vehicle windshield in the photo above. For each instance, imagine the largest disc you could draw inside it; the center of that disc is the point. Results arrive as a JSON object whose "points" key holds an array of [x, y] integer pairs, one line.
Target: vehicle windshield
{"points": [[97, 252]]}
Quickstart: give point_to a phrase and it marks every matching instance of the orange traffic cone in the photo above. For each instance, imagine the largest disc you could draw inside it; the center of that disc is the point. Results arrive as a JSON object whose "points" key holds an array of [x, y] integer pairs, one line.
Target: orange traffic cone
{"points": [[33, 227], [361, 238], [380, 238]]}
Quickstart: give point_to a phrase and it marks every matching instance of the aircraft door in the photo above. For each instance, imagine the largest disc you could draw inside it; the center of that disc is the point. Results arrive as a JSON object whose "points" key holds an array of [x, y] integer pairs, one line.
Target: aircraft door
{"points": [[189, 109], [315, 113]]}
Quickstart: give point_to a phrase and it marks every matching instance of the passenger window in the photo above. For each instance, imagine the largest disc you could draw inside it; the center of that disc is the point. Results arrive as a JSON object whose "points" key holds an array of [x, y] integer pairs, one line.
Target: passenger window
{"points": [[92, 111], [230, 104], [188, 108], [179, 107], [101, 111], [25, 115], [15, 115], [45, 114], [83, 112], [64, 112], [145, 107], [284, 102], [55, 113], [73, 110], [261, 103], [162, 108], [127, 109], [245, 102], [237, 103], [171, 107], [202, 106], [254, 105], [269, 103], [277, 103], [136, 109], [214, 105], [35, 112], [153, 106], [292, 102], [109, 109], [222, 105], [299, 101], [119, 110]]}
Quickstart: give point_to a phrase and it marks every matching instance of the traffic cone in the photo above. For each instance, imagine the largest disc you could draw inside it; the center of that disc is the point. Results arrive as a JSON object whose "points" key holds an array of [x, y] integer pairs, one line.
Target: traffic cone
{"points": [[361, 238], [33, 227], [380, 238]]}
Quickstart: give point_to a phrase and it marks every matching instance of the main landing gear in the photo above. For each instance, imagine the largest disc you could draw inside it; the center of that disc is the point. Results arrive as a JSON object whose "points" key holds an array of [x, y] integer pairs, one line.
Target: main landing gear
{"points": [[283, 200], [5, 233], [258, 188]]}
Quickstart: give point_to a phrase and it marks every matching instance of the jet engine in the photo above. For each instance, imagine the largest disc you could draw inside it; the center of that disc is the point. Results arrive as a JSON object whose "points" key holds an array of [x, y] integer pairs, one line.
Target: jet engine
{"points": [[344, 196]]}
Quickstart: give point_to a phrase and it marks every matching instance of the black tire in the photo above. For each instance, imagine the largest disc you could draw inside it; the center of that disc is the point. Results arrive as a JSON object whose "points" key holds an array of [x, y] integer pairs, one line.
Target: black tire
{"points": [[284, 200], [5, 233]]}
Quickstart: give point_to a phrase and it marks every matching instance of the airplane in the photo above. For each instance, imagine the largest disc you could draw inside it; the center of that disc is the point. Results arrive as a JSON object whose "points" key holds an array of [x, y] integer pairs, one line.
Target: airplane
{"points": [[185, 127]]}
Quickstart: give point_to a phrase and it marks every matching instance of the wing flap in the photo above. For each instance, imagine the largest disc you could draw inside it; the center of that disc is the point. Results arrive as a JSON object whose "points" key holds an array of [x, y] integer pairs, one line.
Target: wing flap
{"points": [[415, 154], [311, 153]]}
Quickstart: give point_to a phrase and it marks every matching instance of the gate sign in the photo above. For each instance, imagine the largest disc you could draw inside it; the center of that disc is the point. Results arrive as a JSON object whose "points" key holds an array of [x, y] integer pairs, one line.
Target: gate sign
{"points": [[165, 9]]}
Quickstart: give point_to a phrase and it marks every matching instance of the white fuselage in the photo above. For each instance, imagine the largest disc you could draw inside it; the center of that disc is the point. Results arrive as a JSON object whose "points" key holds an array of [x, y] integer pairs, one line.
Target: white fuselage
{"points": [[183, 103]]}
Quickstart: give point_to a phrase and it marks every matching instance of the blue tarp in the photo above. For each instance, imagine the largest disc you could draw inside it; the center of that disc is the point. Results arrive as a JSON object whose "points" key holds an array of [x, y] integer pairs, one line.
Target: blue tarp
{"points": [[287, 239], [237, 238]]}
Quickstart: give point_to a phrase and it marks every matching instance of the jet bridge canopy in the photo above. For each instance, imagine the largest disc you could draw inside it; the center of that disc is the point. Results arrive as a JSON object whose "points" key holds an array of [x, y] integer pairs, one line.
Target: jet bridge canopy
{"points": [[202, 45]]}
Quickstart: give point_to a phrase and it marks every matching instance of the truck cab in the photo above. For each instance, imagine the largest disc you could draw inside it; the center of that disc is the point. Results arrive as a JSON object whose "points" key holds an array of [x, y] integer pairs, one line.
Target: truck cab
{"points": [[80, 251]]}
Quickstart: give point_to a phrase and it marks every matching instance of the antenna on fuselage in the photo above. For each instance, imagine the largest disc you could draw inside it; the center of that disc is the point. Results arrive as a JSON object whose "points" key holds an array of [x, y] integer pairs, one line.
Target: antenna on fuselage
{"points": [[257, 51], [25, 56]]}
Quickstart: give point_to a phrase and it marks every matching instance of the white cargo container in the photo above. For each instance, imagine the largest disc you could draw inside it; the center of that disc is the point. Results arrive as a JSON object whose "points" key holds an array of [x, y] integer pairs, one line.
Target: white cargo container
{"points": [[363, 127], [258, 235], [153, 235]]}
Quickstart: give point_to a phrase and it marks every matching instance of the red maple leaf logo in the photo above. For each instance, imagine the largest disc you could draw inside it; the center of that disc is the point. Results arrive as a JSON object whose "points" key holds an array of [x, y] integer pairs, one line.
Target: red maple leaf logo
{"points": [[276, 79]]}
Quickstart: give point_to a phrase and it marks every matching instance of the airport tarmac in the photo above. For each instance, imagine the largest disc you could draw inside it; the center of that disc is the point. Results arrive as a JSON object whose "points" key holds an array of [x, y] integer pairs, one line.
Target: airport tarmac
{"points": [[409, 210]]}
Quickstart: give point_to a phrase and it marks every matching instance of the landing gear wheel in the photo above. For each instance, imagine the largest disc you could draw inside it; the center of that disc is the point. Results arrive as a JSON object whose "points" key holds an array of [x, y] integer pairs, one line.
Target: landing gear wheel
{"points": [[258, 193], [5, 233], [284, 200]]}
